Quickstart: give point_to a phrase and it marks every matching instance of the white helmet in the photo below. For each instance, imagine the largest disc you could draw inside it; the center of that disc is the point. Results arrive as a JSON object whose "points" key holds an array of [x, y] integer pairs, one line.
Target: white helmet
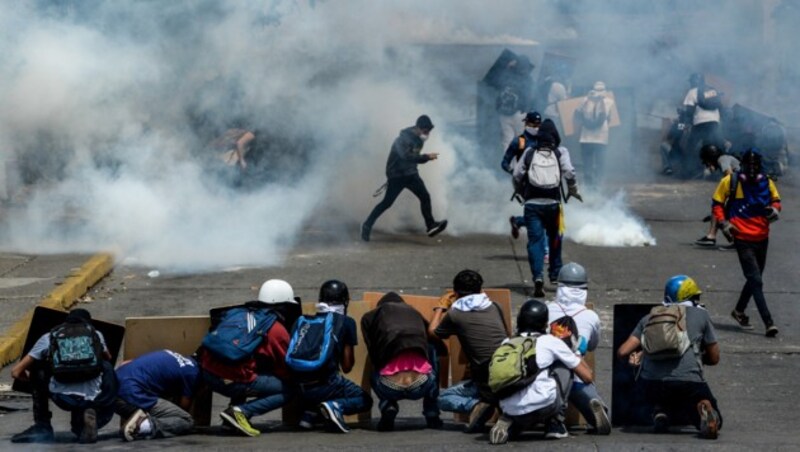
{"points": [[276, 291]]}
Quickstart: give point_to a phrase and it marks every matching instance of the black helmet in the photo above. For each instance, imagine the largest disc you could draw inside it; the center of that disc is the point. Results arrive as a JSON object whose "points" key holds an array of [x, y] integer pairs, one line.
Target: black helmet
{"points": [[532, 317], [334, 292], [709, 154], [751, 164]]}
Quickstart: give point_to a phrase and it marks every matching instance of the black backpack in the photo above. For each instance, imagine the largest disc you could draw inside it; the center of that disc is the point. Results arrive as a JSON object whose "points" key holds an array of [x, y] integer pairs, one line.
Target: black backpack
{"points": [[76, 352], [708, 98]]}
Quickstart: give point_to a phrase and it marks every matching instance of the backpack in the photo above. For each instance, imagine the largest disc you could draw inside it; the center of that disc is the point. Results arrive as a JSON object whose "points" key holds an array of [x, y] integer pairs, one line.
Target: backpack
{"points": [[665, 335], [312, 348], [513, 366], [239, 333], [593, 114], [566, 329], [507, 102], [544, 170], [76, 352], [708, 98]]}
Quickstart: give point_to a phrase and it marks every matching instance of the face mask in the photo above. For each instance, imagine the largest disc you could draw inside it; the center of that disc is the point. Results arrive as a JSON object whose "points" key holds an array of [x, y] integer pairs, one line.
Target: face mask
{"points": [[423, 137], [532, 130]]}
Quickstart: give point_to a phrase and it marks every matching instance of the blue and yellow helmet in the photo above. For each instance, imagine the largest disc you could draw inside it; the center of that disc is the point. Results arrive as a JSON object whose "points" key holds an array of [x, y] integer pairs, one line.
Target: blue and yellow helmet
{"points": [[680, 288]]}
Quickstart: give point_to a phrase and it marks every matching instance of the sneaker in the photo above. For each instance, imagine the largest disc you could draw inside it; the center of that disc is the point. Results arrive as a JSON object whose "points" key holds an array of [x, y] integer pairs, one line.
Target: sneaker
{"points": [[235, 417], [437, 227], [514, 228], [660, 423], [331, 412], [310, 419], [728, 247], [37, 433], [499, 433], [667, 171], [556, 430], [365, 231], [479, 416], [538, 289], [89, 432], [772, 331], [709, 420], [705, 241], [434, 422], [388, 413], [741, 319], [602, 424], [131, 427]]}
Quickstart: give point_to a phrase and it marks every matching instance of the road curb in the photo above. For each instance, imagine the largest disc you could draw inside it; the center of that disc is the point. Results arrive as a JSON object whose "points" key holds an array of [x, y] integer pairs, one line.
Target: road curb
{"points": [[62, 298]]}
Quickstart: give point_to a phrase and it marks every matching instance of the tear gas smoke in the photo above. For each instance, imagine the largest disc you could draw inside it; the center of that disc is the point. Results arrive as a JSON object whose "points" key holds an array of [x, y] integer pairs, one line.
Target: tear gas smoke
{"points": [[108, 107]]}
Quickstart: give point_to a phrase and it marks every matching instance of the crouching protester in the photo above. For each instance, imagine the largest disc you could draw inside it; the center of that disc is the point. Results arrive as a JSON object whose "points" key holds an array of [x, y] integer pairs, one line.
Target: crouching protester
{"points": [[671, 344], [70, 365], [406, 364], [146, 386], [243, 356], [478, 323], [570, 302], [535, 389], [321, 345]]}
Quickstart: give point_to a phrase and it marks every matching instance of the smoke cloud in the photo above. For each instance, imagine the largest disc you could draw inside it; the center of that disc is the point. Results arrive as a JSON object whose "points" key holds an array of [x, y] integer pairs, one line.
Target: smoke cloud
{"points": [[109, 107]]}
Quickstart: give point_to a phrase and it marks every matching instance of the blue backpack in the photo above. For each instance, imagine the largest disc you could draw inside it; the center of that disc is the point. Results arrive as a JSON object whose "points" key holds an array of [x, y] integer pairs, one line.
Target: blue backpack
{"points": [[239, 333], [314, 343]]}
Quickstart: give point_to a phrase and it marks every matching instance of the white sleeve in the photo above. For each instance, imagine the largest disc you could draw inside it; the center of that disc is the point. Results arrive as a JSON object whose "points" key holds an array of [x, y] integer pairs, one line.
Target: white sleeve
{"points": [[567, 170], [41, 348], [550, 349], [691, 98], [520, 170]]}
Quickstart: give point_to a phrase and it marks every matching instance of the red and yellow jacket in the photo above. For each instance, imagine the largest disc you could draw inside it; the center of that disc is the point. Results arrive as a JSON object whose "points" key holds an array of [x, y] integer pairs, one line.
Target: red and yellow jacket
{"points": [[748, 209]]}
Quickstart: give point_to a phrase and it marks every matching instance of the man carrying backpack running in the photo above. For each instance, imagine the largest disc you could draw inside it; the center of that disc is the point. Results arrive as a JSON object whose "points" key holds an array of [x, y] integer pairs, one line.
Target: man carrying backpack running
{"points": [[544, 392], [322, 345], [257, 369], [402, 173], [87, 391], [671, 344], [404, 359], [479, 324], [538, 176], [746, 216], [571, 301]]}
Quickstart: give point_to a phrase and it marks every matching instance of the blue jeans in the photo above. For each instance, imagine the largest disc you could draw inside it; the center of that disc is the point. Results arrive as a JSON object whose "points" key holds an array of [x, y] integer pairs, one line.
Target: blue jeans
{"points": [[580, 396], [268, 393], [460, 398], [520, 221], [350, 397], [542, 223], [428, 391]]}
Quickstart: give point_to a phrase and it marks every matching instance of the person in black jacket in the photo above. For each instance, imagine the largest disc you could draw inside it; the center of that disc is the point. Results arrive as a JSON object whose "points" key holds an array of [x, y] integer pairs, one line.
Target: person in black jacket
{"points": [[402, 173], [405, 363]]}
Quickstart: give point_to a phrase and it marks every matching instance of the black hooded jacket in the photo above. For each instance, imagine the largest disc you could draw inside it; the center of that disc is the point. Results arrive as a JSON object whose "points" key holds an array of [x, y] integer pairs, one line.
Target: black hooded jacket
{"points": [[391, 328]]}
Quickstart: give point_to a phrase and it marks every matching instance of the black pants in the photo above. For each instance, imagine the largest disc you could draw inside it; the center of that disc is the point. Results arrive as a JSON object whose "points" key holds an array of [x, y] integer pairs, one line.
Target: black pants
{"points": [[753, 259], [396, 185], [679, 399]]}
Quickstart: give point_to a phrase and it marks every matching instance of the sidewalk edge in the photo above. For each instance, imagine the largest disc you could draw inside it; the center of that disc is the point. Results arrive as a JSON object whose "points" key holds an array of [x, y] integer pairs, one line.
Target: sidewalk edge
{"points": [[62, 298]]}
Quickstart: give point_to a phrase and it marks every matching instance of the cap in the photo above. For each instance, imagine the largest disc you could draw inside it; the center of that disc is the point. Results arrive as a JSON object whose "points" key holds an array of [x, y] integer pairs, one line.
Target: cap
{"points": [[424, 122], [533, 116], [599, 86]]}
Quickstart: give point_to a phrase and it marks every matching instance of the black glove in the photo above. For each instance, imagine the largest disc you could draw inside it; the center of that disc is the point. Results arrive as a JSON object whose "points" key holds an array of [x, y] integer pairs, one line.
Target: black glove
{"points": [[573, 192], [727, 230], [773, 214]]}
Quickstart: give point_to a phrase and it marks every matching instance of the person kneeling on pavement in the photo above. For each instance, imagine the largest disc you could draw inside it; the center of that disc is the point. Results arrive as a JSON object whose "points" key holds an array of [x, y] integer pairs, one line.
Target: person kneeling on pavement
{"points": [[70, 365], [671, 344], [478, 323], [243, 356], [570, 301], [146, 385], [320, 346], [405, 362], [540, 393]]}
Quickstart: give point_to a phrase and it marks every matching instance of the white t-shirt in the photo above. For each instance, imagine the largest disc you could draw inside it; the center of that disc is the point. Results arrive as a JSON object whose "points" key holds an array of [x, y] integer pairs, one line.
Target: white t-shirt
{"points": [[600, 134], [700, 115], [557, 93], [543, 391], [89, 390]]}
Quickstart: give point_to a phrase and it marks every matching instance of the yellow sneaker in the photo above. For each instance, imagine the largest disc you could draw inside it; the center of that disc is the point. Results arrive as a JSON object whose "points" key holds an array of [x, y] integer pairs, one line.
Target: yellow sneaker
{"points": [[235, 418]]}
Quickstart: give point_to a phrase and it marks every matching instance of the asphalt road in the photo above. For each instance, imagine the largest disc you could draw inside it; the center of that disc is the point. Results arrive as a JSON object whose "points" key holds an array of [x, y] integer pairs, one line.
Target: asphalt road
{"points": [[754, 382]]}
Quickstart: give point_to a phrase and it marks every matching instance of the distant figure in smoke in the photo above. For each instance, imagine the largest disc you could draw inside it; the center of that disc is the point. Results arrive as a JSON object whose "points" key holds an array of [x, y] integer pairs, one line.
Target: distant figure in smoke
{"points": [[593, 116], [233, 145], [714, 160], [746, 215], [671, 143], [556, 92], [704, 103], [402, 173], [513, 87]]}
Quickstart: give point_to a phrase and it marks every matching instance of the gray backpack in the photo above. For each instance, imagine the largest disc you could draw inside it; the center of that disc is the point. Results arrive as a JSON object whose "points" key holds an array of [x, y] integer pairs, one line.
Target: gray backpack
{"points": [[665, 335]]}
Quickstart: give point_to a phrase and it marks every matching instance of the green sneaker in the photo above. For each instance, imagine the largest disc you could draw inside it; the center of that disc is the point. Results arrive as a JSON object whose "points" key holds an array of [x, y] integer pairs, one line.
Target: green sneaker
{"points": [[234, 417]]}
